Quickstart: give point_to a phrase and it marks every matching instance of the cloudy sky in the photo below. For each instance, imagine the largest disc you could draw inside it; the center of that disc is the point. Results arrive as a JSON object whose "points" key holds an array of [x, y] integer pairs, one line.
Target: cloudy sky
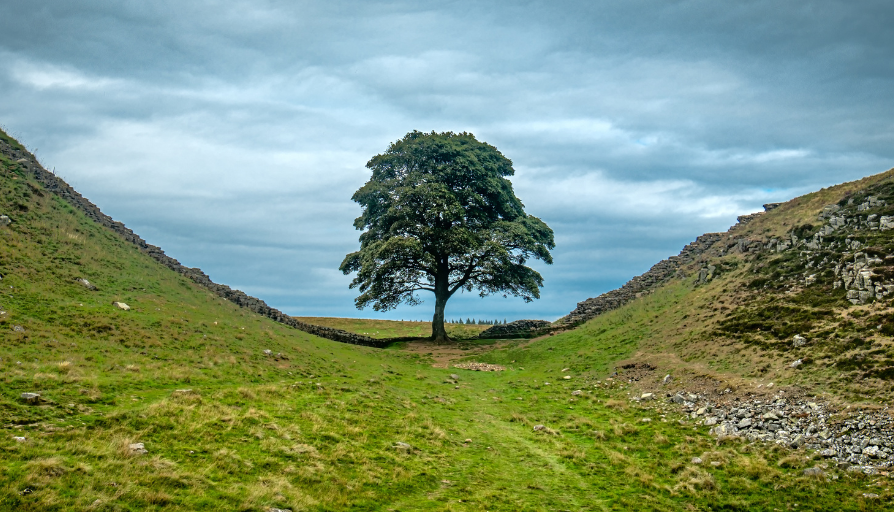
{"points": [[233, 134]]}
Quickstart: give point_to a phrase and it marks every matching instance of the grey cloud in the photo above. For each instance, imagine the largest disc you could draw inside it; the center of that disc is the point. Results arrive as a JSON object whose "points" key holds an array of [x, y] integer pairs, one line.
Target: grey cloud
{"points": [[233, 134]]}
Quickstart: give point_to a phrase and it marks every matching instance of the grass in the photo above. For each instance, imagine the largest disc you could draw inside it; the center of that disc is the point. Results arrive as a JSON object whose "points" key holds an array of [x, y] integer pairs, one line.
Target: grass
{"points": [[393, 328], [316, 425]]}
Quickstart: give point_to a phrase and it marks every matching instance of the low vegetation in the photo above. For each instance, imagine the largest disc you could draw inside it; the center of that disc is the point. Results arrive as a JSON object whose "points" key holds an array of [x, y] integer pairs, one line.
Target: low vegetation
{"points": [[318, 425]]}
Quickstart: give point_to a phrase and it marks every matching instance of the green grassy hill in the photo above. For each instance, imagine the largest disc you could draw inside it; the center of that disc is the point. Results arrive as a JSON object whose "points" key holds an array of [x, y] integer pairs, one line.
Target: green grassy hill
{"points": [[319, 425]]}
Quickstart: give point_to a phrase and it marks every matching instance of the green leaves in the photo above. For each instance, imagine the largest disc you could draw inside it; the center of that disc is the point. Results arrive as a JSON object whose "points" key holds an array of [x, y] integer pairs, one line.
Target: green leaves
{"points": [[439, 215]]}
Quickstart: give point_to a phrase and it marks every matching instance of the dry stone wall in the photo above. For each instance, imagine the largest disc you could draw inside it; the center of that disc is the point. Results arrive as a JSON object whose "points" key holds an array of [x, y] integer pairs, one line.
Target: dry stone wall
{"points": [[660, 273], [726, 243], [58, 186], [516, 329]]}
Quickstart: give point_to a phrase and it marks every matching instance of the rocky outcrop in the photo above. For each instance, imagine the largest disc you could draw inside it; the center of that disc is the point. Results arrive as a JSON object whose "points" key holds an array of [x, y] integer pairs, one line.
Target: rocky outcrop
{"points": [[660, 273], [58, 186], [838, 245], [516, 329]]}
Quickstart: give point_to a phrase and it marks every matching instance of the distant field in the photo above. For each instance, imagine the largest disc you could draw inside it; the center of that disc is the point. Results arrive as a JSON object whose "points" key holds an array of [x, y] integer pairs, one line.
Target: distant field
{"points": [[391, 328]]}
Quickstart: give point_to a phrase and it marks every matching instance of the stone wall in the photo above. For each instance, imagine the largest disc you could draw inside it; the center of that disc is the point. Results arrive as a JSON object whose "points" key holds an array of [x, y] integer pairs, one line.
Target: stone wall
{"points": [[516, 329], [664, 270], [58, 186], [660, 273]]}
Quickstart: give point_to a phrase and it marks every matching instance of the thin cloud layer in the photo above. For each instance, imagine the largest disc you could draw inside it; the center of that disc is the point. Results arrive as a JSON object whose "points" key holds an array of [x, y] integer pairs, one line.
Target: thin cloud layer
{"points": [[233, 134]]}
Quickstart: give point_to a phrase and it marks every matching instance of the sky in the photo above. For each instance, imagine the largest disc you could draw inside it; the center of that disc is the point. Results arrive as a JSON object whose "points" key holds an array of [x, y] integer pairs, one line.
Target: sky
{"points": [[233, 134]]}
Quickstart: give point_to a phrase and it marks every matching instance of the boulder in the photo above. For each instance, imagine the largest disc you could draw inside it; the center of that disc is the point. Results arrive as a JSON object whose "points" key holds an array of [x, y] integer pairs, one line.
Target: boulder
{"points": [[85, 283], [799, 341], [137, 449], [30, 398], [814, 471], [18, 328], [667, 379], [402, 446], [696, 460], [19, 439], [4, 221], [121, 305], [871, 451]]}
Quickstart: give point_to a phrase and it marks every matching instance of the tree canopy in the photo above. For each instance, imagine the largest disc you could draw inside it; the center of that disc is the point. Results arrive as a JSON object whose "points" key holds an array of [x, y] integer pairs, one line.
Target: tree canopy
{"points": [[439, 215]]}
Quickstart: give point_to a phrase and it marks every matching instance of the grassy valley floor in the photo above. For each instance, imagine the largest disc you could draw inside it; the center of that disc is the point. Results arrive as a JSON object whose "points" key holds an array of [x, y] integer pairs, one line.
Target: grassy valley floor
{"points": [[186, 402]]}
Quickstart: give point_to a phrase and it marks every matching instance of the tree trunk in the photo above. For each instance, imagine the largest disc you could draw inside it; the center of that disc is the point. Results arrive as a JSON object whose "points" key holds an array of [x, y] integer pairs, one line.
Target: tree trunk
{"points": [[442, 293], [438, 332]]}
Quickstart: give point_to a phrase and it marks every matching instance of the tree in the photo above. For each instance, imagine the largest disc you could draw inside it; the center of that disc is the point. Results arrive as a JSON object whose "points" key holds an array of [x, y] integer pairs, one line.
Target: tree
{"points": [[439, 215]]}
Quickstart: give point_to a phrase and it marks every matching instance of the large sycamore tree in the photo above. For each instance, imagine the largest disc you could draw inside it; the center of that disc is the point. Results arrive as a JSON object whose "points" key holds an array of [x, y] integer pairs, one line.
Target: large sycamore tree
{"points": [[440, 216]]}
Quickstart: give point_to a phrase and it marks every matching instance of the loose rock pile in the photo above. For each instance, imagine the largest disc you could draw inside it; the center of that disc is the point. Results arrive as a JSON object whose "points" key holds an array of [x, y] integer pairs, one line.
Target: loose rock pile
{"points": [[859, 438], [479, 367]]}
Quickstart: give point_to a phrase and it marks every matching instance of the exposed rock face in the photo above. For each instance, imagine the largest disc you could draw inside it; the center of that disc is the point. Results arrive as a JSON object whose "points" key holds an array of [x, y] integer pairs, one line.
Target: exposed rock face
{"points": [[854, 270], [58, 186], [518, 328], [660, 273]]}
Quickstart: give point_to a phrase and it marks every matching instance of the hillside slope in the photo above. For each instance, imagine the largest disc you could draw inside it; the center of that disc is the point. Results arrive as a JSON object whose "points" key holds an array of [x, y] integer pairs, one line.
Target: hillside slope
{"points": [[190, 402], [819, 267]]}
